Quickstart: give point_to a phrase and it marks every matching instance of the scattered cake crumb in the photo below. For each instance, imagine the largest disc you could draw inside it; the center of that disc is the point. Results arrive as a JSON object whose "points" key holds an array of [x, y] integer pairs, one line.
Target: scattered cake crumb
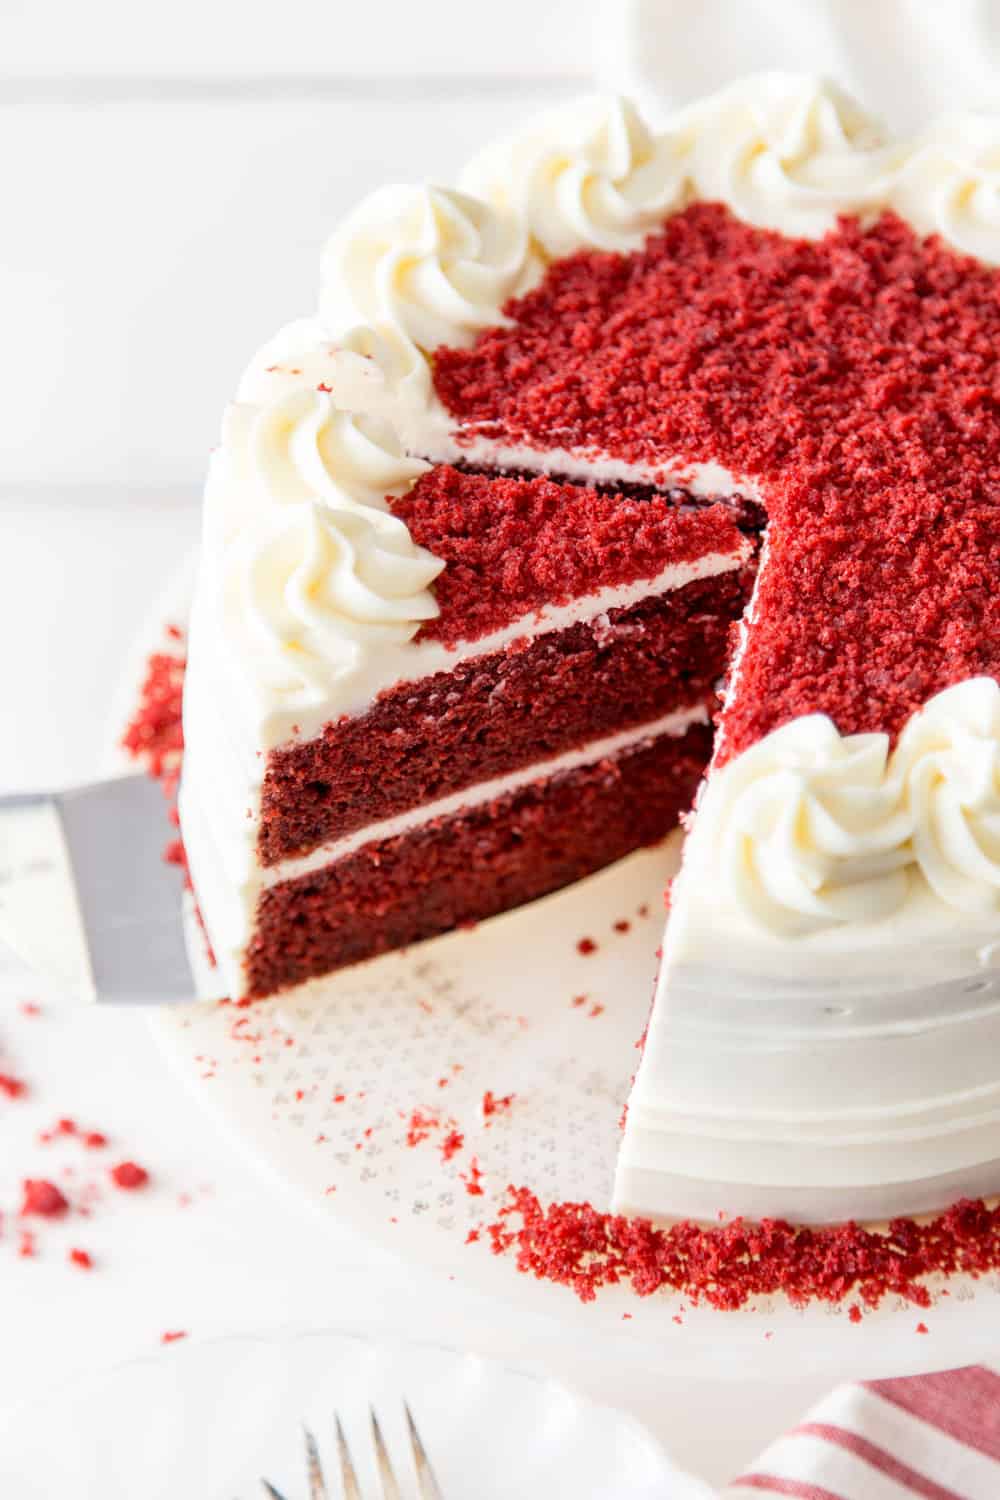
{"points": [[452, 1144], [729, 1266], [129, 1176], [493, 1105], [43, 1198]]}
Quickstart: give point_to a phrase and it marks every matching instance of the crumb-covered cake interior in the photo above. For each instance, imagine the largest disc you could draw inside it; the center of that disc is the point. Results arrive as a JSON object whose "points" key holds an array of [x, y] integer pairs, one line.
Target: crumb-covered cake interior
{"points": [[854, 378], [514, 547], [511, 546]]}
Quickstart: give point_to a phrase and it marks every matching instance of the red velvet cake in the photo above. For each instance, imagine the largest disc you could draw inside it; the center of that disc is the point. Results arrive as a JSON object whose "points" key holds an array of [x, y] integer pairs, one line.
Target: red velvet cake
{"points": [[483, 543]]}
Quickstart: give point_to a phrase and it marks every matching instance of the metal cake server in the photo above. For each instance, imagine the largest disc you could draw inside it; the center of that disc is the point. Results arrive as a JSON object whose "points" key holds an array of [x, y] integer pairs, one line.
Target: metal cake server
{"points": [[86, 895]]}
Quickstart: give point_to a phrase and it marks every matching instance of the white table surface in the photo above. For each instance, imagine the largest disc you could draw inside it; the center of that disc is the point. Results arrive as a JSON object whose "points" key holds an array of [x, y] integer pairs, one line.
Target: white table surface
{"points": [[188, 246]]}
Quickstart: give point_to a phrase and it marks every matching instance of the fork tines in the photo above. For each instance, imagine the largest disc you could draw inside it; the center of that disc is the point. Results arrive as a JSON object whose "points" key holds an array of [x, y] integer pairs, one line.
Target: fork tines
{"points": [[427, 1485]]}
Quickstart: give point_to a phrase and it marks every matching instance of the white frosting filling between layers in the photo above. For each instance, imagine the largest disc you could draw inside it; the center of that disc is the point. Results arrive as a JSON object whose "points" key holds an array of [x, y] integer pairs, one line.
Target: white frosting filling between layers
{"points": [[673, 725], [230, 877]]}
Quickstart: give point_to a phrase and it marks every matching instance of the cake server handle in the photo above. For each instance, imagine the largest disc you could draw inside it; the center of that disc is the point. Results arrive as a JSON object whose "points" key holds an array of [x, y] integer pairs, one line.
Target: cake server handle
{"points": [[87, 897]]}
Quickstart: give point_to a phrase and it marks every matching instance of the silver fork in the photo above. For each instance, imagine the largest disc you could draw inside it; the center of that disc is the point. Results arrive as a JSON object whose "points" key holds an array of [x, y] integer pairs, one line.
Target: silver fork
{"points": [[427, 1486]]}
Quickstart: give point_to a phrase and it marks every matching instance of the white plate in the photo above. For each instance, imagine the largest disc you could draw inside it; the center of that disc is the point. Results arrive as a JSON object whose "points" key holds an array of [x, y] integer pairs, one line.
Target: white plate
{"points": [[492, 1009], [205, 1421]]}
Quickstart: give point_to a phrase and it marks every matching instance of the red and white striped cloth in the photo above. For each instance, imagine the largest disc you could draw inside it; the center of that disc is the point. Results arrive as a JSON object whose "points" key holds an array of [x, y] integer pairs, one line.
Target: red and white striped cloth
{"points": [[933, 1436]]}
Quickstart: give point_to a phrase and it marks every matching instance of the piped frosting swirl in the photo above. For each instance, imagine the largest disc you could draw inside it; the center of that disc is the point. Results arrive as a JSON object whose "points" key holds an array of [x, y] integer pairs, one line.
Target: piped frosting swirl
{"points": [[951, 185], [312, 590], [812, 829], [593, 176], [789, 152], [815, 828], [948, 757], [432, 265], [316, 571]]}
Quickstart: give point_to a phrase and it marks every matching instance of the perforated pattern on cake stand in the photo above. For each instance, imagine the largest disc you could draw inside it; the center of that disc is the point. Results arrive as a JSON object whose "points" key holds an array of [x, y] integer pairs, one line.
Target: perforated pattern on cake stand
{"points": [[372, 1076]]}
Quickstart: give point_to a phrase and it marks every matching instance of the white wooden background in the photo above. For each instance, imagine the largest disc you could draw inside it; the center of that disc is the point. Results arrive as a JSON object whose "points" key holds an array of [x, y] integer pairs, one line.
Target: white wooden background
{"points": [[168, 175]]}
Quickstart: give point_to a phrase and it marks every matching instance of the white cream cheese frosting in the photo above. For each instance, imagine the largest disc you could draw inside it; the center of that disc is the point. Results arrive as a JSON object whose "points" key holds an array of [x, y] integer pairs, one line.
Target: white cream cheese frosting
{"points": [[592, 175], [312, 590], [948, 760], [433, 265], [811, 831], [813, 828], [951, 185], [824, 1039], [790, 153]]}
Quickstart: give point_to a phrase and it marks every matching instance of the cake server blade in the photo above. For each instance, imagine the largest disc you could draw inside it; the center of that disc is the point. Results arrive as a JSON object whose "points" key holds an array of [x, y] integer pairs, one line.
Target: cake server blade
{"points": [[87, 897]]}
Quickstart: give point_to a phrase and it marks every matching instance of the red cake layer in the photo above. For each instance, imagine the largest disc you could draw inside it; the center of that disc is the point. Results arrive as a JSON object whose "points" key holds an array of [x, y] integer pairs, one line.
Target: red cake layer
{"points": [[464, 868], [498, 713], [857, 377], [514, 545]]}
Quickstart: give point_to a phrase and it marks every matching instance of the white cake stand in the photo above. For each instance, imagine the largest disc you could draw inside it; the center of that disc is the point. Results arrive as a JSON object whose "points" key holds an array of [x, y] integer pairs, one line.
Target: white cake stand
{"points": [[320, 1089]]}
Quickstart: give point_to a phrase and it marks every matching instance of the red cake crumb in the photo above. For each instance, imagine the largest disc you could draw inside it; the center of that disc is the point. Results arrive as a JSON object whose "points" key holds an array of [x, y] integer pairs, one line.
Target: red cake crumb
{"points": [[492, 1105], [27, 1245], [14, 1088], [922, 1328], [155, 737], [586, 946], [30, 1008], [577, 1246], [42, 1198], [81, 1258], [514, 545], [853, 376], [420, 1126], [473, 1179], [129, 1176], [155, 733], [452, 1144], [172, 1335], [94, 1140]]}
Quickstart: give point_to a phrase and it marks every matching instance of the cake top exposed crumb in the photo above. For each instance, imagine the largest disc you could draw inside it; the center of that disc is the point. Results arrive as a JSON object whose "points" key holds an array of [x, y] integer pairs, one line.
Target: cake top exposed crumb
{"points": [[856, 377], [513, 545]]}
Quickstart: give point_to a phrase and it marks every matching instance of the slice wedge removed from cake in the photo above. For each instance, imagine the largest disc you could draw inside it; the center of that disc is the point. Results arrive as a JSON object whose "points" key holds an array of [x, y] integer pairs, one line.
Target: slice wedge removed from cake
{"points": [[401, 720]]}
